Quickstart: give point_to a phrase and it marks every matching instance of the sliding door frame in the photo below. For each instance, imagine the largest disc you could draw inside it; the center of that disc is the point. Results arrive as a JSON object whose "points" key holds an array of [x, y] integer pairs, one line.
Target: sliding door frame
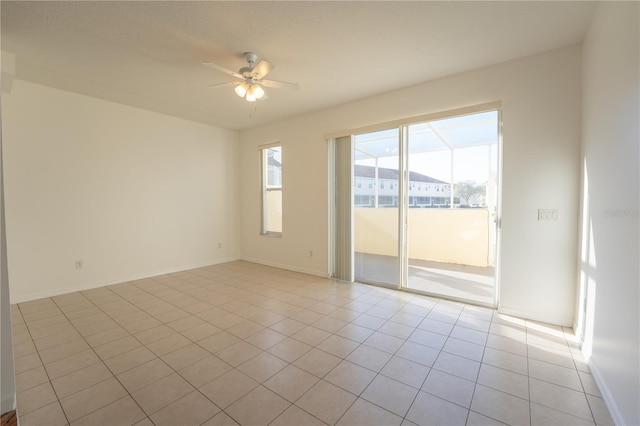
{"points": [[403, 196], [403, 207]]}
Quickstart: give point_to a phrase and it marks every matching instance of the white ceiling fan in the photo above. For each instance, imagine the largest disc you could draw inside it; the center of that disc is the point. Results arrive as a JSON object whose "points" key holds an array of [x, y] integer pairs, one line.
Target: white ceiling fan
{"points": [[251, 78]]}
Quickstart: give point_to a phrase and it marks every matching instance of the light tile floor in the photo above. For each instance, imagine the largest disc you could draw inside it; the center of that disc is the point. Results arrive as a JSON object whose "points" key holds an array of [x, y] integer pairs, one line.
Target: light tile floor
{"points": [[241, 343]]}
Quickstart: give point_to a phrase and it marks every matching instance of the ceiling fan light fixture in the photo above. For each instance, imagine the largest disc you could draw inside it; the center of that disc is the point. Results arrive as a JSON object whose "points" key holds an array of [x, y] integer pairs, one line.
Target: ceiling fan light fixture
{"points": [[258, 91], [250, 97], [241, 89]]}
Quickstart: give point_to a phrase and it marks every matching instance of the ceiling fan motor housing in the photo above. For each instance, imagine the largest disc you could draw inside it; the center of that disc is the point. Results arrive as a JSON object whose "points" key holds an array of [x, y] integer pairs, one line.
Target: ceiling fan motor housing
{"points": [[247, 72], [251, 58]]}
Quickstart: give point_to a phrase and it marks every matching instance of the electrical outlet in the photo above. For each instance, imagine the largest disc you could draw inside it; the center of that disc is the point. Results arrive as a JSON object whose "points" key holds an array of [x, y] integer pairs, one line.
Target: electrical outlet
{"points": [[548, 215], [310, 253], [79, 264]]}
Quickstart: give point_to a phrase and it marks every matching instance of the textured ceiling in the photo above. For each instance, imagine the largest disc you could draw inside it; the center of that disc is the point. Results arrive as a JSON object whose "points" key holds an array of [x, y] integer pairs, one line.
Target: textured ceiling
{"points": [[148, 54]]}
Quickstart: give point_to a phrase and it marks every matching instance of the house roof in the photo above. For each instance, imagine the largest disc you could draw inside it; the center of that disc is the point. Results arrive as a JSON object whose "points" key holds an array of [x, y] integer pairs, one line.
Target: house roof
{"points": [[273, 162], [391, 174]]}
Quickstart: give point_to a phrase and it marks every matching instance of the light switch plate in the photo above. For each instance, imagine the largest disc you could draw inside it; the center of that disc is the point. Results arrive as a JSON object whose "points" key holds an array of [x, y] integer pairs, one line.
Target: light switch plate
{"points": [[548, 215]]}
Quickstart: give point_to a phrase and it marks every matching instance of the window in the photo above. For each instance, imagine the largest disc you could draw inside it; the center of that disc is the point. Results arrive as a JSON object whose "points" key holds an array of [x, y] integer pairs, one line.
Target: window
{"points": [[363, 200], [422, 201], [271, 161], [439, 201], [387, 201]]}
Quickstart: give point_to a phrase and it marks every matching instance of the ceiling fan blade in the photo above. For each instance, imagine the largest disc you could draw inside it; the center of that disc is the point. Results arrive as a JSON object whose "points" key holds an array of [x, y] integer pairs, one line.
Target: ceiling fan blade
{"points": [[223, 69], [227, 84], [280, 85], [262, 68]]}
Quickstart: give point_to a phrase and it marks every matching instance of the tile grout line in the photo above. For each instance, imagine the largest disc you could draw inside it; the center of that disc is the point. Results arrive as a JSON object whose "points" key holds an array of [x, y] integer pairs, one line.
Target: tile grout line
{"points": [[432, 366], [148, 416], [235, 368], [44, 368], [174, 370], [101, 361], [475, 385], [303, 294]]}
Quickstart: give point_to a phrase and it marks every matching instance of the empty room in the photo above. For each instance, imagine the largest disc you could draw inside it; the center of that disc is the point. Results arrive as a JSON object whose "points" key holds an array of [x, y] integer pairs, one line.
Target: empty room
{"points": [[320, 213]]}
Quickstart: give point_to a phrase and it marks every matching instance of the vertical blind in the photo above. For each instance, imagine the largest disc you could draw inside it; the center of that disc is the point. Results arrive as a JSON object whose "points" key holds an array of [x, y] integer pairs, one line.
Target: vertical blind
{"points": [[342, 223]]}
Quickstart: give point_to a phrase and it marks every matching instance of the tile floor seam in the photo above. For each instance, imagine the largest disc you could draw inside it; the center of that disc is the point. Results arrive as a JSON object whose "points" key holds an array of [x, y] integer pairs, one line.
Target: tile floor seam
{"points": [[475, 386], [473, 394], [157, 380], [98, 409], [404, 418], [560, 386], [113, 376], [528, 375], [349, 407], [575, 369], [48, 377], [292, 404], [492, 418], [208, 399], [570, 389]]}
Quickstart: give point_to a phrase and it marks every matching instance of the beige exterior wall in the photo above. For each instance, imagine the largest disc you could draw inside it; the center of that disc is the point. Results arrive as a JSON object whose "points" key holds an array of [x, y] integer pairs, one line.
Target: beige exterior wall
{"points": [[458, 236]]}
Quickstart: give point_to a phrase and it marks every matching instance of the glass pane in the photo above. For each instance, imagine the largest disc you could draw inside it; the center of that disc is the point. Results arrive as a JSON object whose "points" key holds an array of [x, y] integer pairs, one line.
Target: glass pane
{"points": [[467, 130], [375, 202], [429, 178], [272, 190], [273, 201], [451, 233], [471, 176], [274, 166]]}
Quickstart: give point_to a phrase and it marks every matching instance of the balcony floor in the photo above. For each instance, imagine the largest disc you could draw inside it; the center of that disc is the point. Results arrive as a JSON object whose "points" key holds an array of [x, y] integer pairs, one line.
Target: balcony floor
{"points": [[469, 283]]}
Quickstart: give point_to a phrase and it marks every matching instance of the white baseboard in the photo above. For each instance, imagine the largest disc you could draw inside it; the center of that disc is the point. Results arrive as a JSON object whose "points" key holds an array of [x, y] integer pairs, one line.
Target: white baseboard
{"points": [[21, 298], [286, 267], [609, 401], [537, 316]]}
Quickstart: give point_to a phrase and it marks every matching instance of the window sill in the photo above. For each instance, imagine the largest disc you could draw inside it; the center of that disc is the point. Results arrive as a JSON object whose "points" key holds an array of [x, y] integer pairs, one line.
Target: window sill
{"points": [[272, 234]]}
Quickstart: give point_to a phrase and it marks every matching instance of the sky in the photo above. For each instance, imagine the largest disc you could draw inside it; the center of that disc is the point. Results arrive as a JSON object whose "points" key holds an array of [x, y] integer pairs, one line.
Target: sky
{"points": [[429, 155]]}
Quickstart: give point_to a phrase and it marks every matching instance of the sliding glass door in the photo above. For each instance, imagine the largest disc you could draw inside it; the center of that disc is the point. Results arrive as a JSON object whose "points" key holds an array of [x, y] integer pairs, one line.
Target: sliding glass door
{"points": [[452, 195], [376, 197], [425, 207]]}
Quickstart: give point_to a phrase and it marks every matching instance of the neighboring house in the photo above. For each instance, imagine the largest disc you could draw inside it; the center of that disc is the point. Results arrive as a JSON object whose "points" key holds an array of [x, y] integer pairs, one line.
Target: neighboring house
{"points": [[424, 191], [274, 169]]}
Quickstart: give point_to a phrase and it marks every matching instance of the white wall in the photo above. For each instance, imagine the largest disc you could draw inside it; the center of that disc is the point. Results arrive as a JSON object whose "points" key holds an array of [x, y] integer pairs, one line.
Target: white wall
{"points": [[131, 193], [541, 110], [611, 111], [7, 376]]}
